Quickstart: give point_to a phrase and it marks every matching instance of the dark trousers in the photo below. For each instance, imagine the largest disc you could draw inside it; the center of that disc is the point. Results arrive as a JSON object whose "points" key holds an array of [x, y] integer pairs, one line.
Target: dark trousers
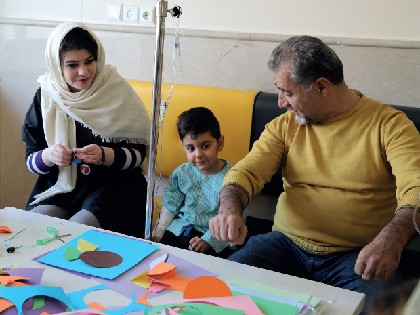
{"points": [[183, 241]]}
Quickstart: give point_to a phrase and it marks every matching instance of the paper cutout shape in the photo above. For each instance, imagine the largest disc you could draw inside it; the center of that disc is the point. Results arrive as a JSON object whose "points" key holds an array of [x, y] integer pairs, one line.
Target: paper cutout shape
{"points": [[5, 229], [162, 270], [9, 280], [101, 259], [18, 295], [123, 285], [88, 311], [85, 246], [72, 253], [131, 250], [33, 276], [206, 287], [77, 299], [274, 308], [201, 308], [142, 299], [177, 283], [242, 302], [163, 258], [142, 280], [97, 306], [39, 302], [157, 287]]}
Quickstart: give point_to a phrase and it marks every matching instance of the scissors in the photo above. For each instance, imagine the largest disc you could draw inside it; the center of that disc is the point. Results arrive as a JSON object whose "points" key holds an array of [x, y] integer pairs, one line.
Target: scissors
{"points": [[54, 232]]}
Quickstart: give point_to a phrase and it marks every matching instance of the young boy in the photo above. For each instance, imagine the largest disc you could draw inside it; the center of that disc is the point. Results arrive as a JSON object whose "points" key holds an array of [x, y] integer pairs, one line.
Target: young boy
{"points": [[192, 197]]}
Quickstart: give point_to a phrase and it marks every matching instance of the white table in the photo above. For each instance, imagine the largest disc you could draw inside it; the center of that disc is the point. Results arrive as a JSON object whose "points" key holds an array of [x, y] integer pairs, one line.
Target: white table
{"points": [[343, 301]]}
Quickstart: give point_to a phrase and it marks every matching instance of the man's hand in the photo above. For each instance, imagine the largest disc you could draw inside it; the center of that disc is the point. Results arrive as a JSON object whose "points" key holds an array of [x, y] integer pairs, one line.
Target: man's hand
{"points": [[229, 227], [380, 258], [198, 245], [228, 224]]}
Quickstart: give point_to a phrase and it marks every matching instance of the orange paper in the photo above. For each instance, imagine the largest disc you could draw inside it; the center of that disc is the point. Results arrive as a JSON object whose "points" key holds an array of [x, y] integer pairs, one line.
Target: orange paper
{"points": [[142, 299], [162, 270], [5, 229], [97, 306], [177, 283], [206, 286]]}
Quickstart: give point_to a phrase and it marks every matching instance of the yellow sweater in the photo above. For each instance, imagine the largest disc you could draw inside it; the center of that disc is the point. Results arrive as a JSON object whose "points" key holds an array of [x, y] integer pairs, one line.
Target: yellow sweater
{"points": [[343, 178]]}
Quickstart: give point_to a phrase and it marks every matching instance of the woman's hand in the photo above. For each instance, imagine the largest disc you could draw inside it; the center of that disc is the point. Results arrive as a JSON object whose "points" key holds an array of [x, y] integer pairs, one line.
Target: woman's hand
{"points": [[92, 154], [57, 154]]}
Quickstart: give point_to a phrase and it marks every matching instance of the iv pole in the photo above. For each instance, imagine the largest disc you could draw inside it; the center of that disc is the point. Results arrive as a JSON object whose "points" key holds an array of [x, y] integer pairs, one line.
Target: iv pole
{"points": [[161, 12]]}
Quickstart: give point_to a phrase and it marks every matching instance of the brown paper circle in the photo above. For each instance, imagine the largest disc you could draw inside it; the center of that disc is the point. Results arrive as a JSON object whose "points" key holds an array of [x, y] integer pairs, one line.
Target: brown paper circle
{"points": [[101, 259]]}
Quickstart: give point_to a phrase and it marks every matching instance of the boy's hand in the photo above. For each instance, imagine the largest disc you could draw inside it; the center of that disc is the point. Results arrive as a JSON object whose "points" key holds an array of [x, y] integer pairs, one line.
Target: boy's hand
{"points": [[198, 245]]}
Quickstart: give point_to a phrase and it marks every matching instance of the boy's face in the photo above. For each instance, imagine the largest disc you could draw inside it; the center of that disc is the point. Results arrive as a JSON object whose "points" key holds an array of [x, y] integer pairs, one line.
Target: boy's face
{"points": [[202, 152]]}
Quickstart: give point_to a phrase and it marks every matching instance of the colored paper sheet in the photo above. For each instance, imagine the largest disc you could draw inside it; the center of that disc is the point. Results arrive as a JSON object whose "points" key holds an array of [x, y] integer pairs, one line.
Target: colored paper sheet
{"points": [[78, 302], [159, 259], [5, 229], [131, 250], [197, 309], [85, 246], [242, 302], [162, 270], [33, 276], [177, 283], [18, 295], [123, 285], [274, 308], [247, 283], [142, 280], [8, 280], [206, 286]]}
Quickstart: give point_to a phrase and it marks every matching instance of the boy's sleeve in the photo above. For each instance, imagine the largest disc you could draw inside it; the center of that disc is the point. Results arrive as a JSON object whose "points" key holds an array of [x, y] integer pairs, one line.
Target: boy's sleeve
{"points": [[216, 244], [174, 197]]}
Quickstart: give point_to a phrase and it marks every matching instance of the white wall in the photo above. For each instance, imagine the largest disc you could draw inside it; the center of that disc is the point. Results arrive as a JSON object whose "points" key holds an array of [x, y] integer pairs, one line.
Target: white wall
{"points": [[377, 19]]}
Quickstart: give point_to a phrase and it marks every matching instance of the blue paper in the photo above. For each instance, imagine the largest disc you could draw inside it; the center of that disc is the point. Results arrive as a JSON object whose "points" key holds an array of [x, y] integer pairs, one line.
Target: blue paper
{"points": [[131, 250]]}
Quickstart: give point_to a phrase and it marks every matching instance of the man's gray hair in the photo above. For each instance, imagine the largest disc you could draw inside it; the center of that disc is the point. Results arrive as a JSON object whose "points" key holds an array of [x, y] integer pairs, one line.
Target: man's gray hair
{"points": [[310, 59]]}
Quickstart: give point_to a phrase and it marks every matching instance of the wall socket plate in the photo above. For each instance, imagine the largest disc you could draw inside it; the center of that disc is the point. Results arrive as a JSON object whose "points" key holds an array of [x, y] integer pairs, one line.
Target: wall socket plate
{"points": [[147, 15], [131, 13]]}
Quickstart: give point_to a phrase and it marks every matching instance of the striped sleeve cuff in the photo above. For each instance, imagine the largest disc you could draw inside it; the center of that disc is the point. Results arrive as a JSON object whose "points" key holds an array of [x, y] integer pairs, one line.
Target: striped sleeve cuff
{"points": [[126, 158], [36, 165]]}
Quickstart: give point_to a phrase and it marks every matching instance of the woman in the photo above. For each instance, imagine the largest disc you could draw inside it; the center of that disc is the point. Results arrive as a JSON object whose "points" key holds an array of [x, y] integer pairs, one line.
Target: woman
{"points": [[86, 133]]}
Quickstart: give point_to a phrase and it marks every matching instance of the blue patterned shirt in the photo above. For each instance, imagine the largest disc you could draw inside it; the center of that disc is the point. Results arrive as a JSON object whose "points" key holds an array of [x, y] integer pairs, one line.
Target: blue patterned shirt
{"points": [[194, 199]]}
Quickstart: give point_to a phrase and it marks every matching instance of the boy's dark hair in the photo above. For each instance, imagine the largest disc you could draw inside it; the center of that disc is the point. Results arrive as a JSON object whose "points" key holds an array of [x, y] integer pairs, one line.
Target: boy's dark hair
{"points": [[196, 121], [78, 39]]}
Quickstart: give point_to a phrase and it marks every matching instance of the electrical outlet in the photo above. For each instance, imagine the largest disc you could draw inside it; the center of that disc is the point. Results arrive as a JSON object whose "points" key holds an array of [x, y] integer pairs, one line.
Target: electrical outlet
{"points": [[131, 13], [147, 15]]}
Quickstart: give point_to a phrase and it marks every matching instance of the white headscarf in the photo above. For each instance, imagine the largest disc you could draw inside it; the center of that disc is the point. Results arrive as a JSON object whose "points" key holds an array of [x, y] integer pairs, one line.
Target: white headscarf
{"points": [[109, 107]]}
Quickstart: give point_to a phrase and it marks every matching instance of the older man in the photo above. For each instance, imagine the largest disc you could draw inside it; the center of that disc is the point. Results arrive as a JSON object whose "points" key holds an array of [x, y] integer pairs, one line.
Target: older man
{"points": [[350, 168]]}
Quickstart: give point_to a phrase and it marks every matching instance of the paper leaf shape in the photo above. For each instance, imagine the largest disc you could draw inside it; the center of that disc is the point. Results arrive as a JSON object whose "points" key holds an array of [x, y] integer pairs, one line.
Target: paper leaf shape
{"points": [[162, 270], [163, 258], [85, 246], [71, 253], [142, 280], [206, 286]]}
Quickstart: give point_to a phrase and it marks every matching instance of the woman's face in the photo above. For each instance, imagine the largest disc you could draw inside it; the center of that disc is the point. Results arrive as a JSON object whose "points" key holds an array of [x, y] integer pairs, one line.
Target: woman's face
{"points": [[79, 69]]}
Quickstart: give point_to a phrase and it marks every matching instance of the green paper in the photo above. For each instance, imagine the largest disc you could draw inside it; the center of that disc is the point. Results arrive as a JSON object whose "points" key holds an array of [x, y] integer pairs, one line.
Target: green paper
{"points": [[272, 308], [197, 309], [72, 253], [39, 302], [246, 283]]}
